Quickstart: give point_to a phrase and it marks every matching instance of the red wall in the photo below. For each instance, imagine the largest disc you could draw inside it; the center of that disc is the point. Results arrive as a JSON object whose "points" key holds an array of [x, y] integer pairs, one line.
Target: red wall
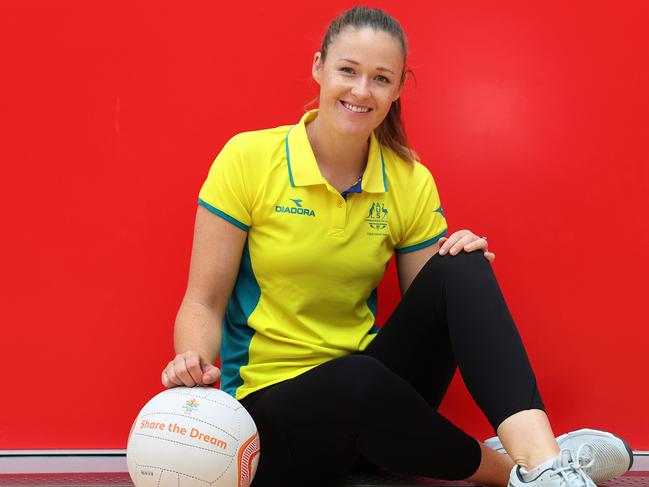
{"points": [[531, 115]]}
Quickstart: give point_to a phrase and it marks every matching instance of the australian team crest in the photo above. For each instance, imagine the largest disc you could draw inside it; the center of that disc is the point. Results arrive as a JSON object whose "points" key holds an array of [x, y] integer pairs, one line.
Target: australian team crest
{"points": [[377, 219], [191, 405]]}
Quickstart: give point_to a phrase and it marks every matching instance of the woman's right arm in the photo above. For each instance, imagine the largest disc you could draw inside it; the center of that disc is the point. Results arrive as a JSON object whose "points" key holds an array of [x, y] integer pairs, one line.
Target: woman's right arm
{"points": [[216, 256]]}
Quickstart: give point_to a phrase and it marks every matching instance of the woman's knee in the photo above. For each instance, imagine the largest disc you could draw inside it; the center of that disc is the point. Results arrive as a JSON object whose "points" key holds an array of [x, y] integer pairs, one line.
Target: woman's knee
{"points": [[464, 259], [462, 265]]}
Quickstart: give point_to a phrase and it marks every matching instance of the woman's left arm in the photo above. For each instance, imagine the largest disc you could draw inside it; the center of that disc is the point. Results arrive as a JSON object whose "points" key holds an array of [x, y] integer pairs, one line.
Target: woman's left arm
{"points": [[410, 263]]}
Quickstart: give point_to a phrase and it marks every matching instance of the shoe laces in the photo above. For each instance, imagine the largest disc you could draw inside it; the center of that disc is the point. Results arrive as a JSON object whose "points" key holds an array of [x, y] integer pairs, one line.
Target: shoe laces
{"points": [[585, 455], [572, 472]]}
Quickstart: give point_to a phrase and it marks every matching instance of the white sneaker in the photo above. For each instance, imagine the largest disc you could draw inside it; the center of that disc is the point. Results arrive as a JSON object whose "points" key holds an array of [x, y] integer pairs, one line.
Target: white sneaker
{"points": [[609, 456], [565, 472]]}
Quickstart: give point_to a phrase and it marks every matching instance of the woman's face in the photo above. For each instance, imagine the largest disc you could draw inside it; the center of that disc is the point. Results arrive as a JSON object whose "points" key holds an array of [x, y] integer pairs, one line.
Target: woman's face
{"points": [[359, 80]]}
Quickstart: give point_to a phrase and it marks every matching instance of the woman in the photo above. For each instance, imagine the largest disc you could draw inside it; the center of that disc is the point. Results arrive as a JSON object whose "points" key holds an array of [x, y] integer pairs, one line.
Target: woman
{"points": [[293, 232]]}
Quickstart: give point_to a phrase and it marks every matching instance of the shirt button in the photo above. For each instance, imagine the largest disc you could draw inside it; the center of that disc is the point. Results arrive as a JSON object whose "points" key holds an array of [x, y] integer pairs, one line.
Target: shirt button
{"points": [[340, 203]]}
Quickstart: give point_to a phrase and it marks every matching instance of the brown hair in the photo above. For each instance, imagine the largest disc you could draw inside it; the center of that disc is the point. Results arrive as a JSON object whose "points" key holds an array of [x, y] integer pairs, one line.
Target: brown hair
{"points": [[391, 132]]}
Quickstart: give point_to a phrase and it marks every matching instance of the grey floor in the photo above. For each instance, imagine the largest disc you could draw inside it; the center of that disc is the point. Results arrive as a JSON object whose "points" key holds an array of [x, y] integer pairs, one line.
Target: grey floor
{"points": [[121, 479], [104, 471]]}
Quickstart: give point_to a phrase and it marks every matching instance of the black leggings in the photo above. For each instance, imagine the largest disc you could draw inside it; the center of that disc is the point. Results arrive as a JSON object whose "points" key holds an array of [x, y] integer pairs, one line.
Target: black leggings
{"points": [[380, 406]]}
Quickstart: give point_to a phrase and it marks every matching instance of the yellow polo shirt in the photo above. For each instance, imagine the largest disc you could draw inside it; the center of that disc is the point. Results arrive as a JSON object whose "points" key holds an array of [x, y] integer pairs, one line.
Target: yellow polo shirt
{"points": [[307, 286]]}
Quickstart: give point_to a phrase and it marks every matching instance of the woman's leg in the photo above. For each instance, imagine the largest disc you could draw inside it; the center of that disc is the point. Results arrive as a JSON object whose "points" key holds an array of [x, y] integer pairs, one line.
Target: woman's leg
{"points": [[314, 427], [454, 312]]}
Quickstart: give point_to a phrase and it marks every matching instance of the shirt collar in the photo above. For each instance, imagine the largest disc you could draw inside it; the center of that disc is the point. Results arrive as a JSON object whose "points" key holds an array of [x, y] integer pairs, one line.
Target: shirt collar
{"points": [[303, 169]]}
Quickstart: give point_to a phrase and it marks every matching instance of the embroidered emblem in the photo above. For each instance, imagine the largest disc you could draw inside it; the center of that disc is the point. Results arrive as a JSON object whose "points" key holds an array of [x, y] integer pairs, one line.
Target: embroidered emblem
{"points": [[377, 219]]}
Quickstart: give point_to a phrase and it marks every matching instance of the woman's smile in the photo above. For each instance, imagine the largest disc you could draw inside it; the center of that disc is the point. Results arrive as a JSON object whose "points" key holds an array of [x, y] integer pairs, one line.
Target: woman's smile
{"points": [[355, 108]]}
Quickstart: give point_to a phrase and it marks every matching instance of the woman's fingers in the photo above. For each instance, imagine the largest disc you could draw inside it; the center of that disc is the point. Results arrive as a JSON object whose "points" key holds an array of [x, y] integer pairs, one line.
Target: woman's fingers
{"points": [[169, 373], [180, 374], [193, 367], [465, 240], [189, 369], [461, 244], [177, 373], [211, 374], [450, 242], [481, 244], [458, 244], [477, 243], [165, 380]]}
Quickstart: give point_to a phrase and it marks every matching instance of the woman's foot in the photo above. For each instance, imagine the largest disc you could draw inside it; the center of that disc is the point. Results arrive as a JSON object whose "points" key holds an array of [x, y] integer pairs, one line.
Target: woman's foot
{"points": [[608, 457], [563, 471]]}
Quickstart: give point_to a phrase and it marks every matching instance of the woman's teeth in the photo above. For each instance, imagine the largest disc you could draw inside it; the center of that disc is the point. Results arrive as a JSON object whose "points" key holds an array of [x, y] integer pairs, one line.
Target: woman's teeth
{"points": [[355, 108]]}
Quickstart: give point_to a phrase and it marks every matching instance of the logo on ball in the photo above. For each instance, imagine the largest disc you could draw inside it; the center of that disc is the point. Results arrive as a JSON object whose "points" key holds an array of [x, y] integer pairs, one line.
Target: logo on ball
{"points": [[191, 405]]}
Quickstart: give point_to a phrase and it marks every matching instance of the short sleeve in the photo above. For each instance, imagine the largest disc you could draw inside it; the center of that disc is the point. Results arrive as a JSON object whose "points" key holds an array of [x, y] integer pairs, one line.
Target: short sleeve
{"points": [[426, 222], [226, 192]]}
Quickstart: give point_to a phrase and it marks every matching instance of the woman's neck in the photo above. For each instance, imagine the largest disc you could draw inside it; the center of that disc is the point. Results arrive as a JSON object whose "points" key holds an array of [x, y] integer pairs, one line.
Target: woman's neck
{"points": [[341, 159]]}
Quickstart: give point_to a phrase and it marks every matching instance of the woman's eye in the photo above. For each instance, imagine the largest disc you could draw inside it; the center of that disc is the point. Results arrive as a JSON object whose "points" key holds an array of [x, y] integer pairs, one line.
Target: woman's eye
{"points": [[383, 79], [347, 70]]}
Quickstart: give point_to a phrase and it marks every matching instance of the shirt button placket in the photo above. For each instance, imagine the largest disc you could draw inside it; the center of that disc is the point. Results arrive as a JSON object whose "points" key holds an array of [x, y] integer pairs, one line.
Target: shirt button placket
{"points": [[340, 214]]}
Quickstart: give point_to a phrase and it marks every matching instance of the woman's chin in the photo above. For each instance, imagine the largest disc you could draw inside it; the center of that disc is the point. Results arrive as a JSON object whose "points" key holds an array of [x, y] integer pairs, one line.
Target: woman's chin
{"points": [[353, 129], [345, 123]]}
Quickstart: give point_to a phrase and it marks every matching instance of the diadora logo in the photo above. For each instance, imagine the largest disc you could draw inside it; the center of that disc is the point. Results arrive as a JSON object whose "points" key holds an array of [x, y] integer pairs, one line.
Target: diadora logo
{"points": [[440, 211], [298, 209], [377, 218]]}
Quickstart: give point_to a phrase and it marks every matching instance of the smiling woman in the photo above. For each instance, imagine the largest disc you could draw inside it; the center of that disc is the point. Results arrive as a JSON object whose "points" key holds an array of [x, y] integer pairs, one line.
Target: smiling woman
{"points": [[296, 298], [360, 77]]}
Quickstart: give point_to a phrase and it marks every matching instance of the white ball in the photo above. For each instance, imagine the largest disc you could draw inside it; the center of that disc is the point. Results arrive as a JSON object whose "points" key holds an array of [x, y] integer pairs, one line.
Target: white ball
{"points": [[191, 437]]}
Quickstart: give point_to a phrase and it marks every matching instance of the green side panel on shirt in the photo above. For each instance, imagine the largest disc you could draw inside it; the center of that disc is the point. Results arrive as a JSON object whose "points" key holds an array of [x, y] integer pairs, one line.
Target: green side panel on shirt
{"points": [[237, 335]]}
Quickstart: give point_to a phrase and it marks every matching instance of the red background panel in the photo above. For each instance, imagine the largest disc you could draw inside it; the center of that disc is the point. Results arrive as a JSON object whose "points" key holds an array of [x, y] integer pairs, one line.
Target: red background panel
{"points": [[532, 117]]}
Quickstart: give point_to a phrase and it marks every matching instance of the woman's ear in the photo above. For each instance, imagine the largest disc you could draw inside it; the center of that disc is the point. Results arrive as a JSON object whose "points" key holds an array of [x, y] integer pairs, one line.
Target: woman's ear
{"points": [[316, 66]]}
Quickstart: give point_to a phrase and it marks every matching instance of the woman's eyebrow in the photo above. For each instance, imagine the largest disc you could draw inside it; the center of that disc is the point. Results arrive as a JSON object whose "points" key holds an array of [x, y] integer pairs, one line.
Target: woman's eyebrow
{"points": [[380, 68]]}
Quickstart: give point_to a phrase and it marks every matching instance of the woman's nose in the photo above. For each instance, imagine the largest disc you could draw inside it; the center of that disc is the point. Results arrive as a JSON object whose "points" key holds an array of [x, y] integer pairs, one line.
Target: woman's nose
{"points": [[361, 88]]}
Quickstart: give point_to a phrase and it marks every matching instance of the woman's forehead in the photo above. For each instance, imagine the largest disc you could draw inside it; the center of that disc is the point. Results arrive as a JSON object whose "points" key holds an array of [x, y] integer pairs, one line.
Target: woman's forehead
{"points": [[367, 45]]}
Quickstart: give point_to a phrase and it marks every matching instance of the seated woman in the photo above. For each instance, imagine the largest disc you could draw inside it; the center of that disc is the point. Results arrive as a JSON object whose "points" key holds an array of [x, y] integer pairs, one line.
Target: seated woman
{"points": [[294, 230]]}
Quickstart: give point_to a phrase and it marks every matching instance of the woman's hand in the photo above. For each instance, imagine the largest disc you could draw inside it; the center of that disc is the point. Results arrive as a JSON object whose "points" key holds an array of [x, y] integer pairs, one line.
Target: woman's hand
{"points": [[467, 241], [189, 369]]}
